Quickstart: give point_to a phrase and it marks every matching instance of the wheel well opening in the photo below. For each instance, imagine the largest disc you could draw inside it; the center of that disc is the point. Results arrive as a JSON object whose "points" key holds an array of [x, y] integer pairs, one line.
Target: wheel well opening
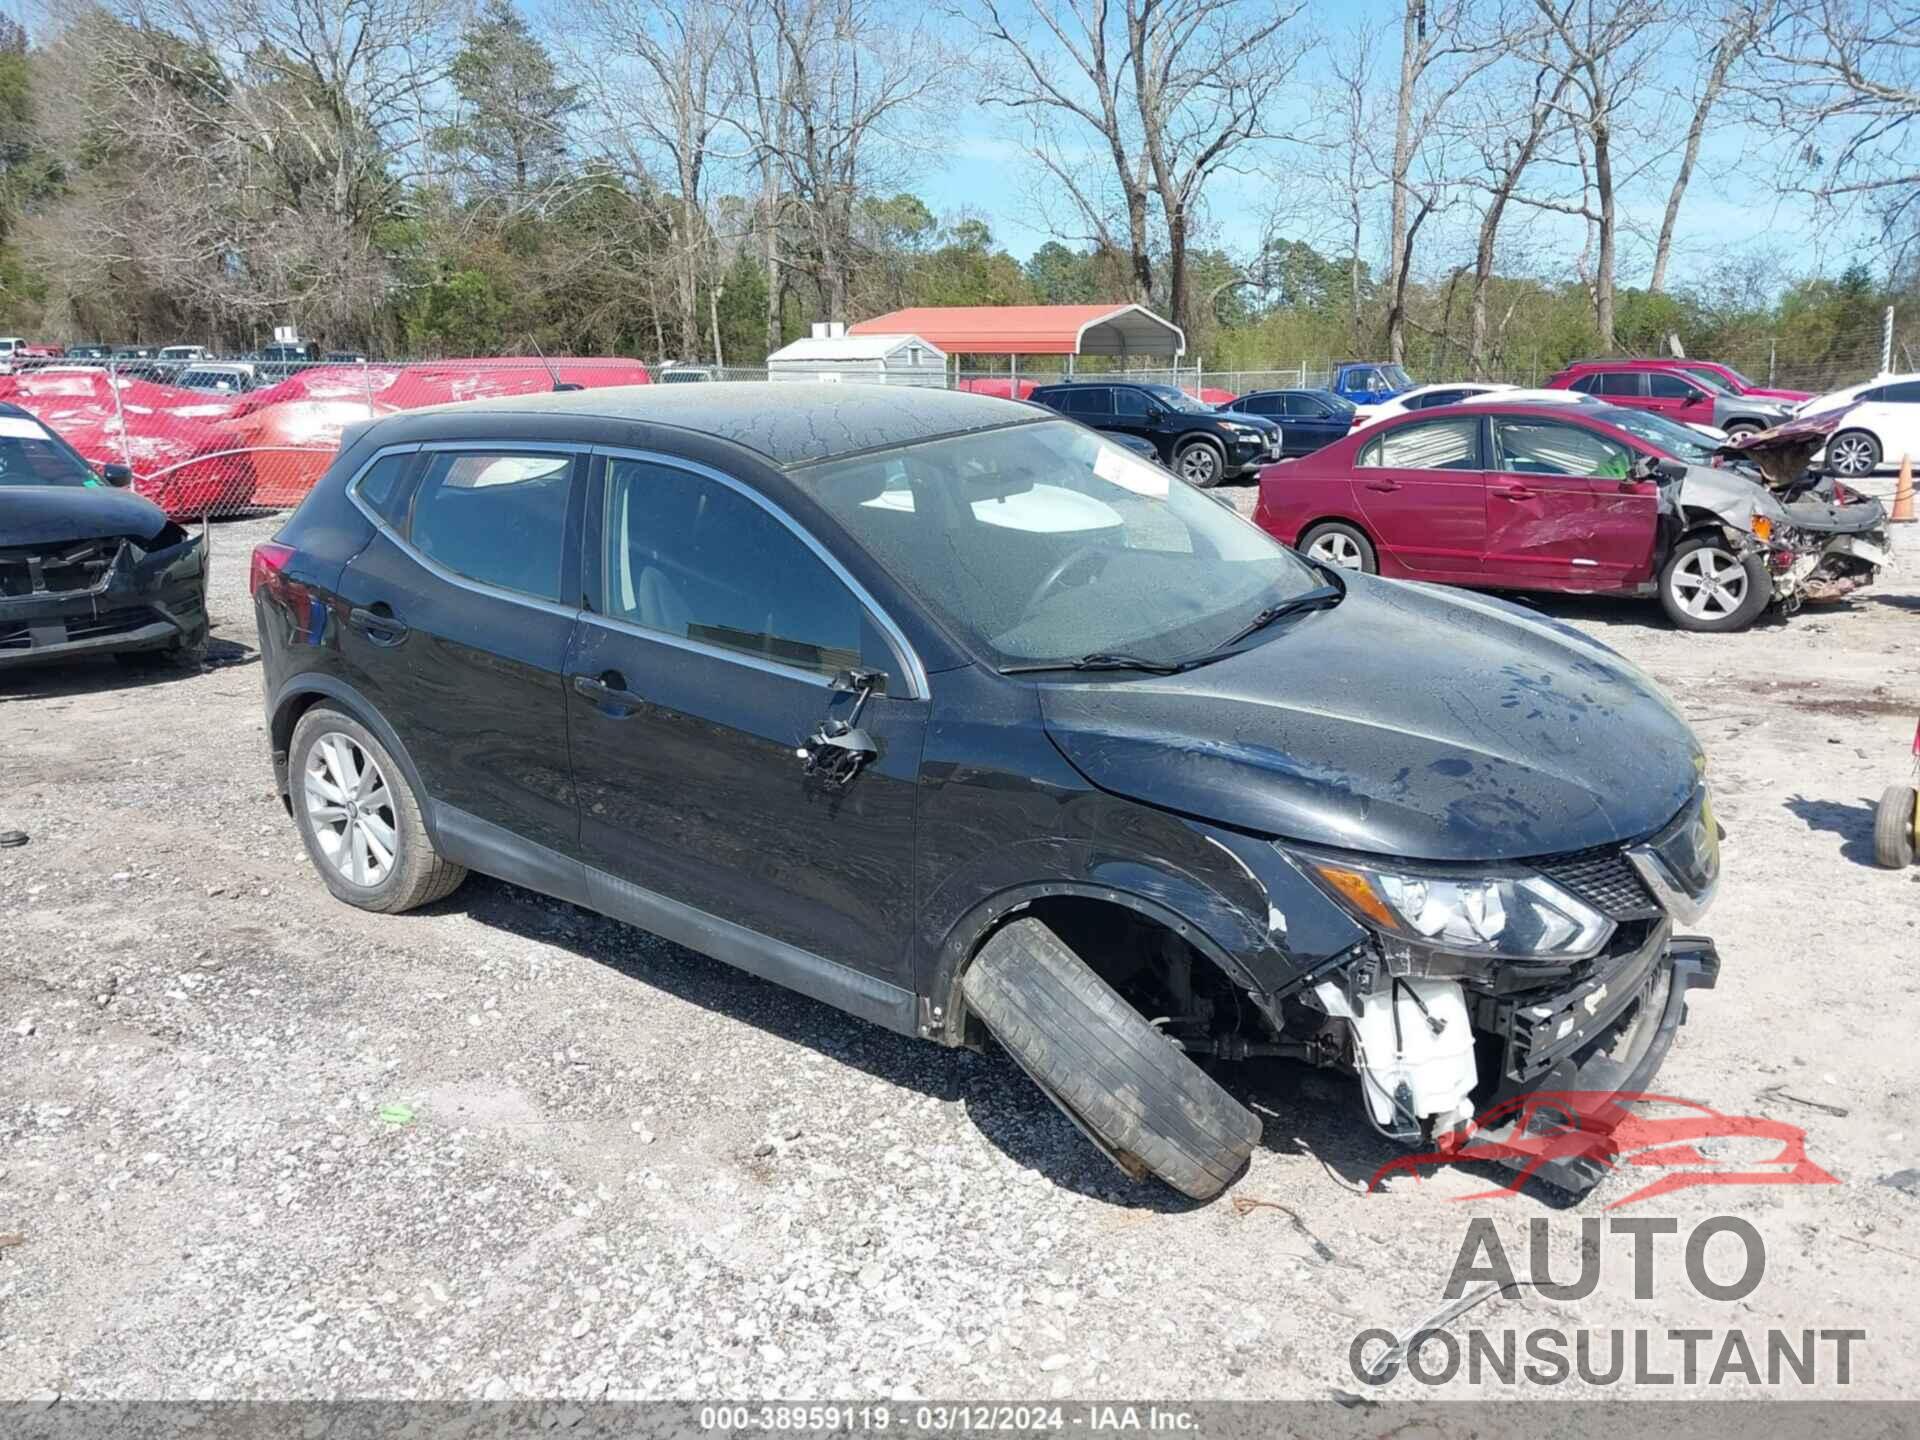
{"points": [[1164, 976]]}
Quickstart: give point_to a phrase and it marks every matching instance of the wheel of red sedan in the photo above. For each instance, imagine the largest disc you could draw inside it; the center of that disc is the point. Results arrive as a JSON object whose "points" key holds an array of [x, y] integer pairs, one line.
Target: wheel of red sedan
{"points": [[1341, 546], [1705, 586]]}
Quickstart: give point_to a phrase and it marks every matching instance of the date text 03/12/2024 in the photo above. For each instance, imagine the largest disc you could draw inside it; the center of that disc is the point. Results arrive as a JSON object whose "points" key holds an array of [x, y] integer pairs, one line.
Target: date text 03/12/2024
{"points": [[945, 1419]]}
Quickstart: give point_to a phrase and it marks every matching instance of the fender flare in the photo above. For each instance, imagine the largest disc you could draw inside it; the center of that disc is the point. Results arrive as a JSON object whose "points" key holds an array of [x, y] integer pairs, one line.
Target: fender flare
{"points": [[327, 687], [945, 1019]]}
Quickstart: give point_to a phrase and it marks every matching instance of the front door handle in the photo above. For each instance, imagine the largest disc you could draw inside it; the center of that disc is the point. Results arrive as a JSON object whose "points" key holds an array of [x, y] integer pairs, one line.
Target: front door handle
{"points": [[1514, 492], [377, 624], [1384, 486], [609, 688]]}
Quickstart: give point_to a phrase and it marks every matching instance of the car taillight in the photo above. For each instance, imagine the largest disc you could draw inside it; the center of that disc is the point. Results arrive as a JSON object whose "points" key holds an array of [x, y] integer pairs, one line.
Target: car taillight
{"points": [[268, 561]]}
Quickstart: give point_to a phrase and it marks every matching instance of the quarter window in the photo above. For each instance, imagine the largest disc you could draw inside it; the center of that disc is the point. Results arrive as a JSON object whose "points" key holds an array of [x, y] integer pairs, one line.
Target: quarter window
{"points": [[383, 488], [495, 516], [1906, 392], [691, 558], [1429, 445]]}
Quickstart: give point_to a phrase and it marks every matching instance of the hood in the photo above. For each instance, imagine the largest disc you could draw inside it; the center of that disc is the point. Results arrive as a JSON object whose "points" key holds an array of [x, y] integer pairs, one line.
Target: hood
{"points": [[1729, 408], [1789, 397], [49, 514], [1782, 453], [1408, 720], [1258, 422]]}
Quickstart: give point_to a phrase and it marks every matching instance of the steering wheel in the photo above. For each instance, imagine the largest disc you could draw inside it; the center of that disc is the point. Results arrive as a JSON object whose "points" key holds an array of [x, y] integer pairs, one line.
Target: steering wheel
{"points": [[1070, 562]]}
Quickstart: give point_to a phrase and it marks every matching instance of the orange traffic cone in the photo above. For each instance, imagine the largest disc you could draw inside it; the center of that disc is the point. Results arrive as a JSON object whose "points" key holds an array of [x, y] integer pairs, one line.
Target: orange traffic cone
{"points": [[1903, 493]]}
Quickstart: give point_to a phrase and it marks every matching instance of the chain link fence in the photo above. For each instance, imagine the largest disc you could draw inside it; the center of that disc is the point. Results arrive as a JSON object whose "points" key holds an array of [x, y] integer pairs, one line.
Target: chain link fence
{"points": [[223, 437]]}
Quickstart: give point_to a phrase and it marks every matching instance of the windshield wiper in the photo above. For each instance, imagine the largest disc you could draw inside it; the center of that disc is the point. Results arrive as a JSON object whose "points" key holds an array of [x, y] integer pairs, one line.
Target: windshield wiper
{"points": [[1104, 660], [1323, 597]]}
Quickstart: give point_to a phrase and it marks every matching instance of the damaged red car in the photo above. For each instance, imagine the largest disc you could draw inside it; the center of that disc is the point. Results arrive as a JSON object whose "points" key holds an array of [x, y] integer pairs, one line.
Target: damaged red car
{"points": [[1585, 498]]}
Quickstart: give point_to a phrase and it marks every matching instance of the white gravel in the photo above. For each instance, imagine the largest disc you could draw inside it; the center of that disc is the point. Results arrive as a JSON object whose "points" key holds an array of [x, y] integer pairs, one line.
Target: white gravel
{"points": [[255, 1143]]}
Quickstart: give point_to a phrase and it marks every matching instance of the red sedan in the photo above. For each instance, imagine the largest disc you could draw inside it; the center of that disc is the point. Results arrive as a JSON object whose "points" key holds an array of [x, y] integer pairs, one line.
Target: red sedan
{"points": [[1506, 496]]}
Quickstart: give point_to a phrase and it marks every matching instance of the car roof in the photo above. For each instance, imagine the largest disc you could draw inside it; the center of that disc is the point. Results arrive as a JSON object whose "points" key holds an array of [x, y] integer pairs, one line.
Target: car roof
{"points": [[789, 423]]}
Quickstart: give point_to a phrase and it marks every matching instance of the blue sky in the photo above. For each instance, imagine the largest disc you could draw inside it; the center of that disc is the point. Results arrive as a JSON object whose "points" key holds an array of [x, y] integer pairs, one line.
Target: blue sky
{"points": [[1731, 210]]}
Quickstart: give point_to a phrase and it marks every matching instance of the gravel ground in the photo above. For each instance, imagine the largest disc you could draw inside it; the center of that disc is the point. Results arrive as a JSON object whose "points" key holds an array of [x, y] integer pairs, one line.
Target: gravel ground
{"points": [[255, 1143]]}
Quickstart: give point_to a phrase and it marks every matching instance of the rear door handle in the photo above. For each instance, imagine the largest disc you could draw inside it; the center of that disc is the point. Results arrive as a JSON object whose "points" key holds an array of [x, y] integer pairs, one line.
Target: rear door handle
{"points": [[1385, 486], [1514, 492], [377, 624], [608, 689]]}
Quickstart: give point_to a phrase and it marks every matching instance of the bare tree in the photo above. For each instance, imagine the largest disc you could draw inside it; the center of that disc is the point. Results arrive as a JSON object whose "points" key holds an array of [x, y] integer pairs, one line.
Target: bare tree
{"points": [[1173, 91], [658, 81], [1441, 54], [1604, 51], [1840, 79], [1730, 29], [856, 84]]}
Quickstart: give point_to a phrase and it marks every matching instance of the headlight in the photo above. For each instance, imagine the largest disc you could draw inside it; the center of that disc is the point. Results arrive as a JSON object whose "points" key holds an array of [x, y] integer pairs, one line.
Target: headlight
{"points": [[1506, 913], [1237, 428]]}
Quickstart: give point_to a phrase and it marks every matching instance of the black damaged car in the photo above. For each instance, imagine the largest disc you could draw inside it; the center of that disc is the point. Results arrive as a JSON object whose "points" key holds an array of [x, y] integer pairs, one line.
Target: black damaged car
{"points": [[85, 567], [959, 717]]}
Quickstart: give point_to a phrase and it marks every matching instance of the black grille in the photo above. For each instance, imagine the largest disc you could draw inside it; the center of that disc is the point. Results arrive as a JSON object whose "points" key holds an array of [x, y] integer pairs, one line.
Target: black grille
{"points": [[76, 566], [1606, 880]]}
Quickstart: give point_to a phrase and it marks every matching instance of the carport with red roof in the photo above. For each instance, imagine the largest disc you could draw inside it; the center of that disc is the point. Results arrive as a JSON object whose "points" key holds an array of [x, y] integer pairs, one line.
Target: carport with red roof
{"points": [[1116, 331]]}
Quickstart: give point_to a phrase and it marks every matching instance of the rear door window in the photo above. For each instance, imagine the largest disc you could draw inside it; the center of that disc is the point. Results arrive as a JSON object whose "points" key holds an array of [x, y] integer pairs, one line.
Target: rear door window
{"points": [[1621, 382], [1428, 445], [1093, 401], [498, 517]]}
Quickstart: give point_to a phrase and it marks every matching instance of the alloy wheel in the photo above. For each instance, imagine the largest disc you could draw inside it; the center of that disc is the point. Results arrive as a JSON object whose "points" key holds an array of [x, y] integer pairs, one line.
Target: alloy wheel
{"points": [[1852, 455], [350, 809], [1338, 549], [1710, 584], [1198, 465]]}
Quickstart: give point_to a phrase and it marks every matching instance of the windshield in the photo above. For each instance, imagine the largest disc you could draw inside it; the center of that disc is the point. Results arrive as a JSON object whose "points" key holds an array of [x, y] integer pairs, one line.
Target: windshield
{"points": [[1174, 398], [30, 456], [1396, 377], [1047, 542], [1682, 442]]}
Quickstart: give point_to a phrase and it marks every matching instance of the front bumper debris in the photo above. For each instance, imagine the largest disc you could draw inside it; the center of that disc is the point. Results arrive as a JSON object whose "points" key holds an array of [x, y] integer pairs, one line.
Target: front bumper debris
{"points": [[100, 597]]}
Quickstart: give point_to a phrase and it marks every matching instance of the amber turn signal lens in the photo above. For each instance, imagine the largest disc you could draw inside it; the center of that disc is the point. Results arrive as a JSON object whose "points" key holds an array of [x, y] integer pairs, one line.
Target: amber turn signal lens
{"points": [[1359, 893], [1762, 527]]}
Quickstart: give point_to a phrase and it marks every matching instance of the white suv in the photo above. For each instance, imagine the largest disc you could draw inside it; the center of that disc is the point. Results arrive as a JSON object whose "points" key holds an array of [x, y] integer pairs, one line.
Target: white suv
{"points": [[1883, 427]]}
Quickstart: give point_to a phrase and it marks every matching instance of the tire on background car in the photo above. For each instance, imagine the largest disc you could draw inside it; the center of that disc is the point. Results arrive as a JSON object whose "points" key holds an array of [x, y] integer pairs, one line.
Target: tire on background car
{"points": [[1707, 587], [383, 806], [1853, 453], [1343, 546], [1893, 827], [1200, 463], [1739, 428], [1130, 1089]]}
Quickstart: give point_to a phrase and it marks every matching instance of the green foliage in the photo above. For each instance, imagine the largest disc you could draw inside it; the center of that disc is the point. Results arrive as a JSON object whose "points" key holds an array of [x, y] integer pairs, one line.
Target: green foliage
{"points": [[460, 313]]}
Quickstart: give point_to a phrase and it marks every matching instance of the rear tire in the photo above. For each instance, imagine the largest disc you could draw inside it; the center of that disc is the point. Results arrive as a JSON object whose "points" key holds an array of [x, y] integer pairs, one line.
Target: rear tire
{"points": [[1343, 546], [329, 745], [1707, 588], [1893, 827], [1128, 1087]]}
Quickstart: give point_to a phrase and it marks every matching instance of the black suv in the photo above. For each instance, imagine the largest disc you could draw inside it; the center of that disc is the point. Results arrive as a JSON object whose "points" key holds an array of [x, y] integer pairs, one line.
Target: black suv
{"points": [[961, 718], [1200, 444]]}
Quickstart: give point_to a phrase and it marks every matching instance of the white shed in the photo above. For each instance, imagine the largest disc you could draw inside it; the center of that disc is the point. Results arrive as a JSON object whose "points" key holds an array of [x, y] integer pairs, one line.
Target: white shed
{"points": [[838, 358]]}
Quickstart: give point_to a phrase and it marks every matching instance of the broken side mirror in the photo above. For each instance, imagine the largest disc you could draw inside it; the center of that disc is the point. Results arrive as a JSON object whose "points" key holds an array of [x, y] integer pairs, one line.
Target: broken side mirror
{"points": [[836, 751], [117, 475]]}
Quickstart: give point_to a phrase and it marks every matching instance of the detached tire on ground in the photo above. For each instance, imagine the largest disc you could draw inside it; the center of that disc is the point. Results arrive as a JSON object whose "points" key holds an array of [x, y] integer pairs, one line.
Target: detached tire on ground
{"points": [[1893, 827], [1133, 1091]]}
